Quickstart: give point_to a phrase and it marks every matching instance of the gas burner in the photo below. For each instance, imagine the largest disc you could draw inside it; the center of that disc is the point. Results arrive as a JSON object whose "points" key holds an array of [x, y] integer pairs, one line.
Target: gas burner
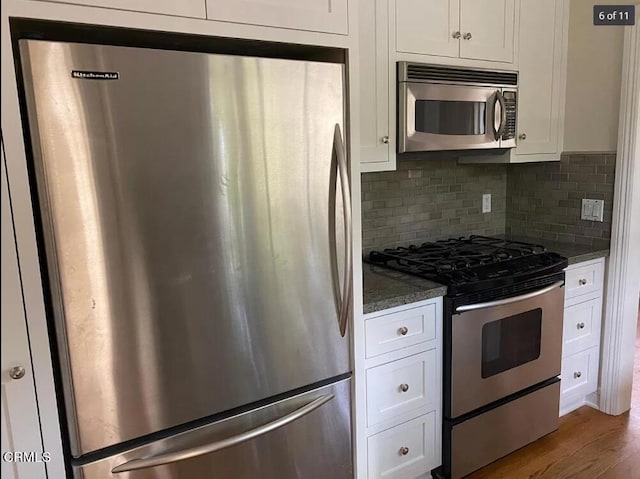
{"points": [[473, 264]]}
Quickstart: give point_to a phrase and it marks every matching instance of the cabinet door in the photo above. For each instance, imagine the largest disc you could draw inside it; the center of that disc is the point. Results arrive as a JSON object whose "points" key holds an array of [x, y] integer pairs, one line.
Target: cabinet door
{"points": [[540, 81], [20, 422], [428, 27], [182, 8], [328, 16], [376, 140], [487, 28]]}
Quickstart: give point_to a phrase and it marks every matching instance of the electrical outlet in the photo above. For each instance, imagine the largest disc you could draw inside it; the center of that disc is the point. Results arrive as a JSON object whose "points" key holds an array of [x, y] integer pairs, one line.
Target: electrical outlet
{"points": [[486, 203], [592, 210]]}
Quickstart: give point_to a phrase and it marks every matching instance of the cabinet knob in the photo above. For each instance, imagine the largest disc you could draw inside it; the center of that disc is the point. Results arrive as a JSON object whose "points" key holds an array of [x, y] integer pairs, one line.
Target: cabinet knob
{"points": [[17, 372], [582, 281], [580, 325], [404, 451], [385, 139], [577, 374], [404, 388], [403, 330], [522, 136], [456, 35], [467, 36]]}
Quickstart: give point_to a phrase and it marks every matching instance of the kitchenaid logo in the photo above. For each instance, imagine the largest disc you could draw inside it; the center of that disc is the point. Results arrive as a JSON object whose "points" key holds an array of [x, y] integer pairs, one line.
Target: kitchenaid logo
{"points": [[86, 75]]}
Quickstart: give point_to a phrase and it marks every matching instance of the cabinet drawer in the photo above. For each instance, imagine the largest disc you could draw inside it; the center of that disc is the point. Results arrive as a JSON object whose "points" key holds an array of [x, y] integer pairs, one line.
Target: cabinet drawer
{"points": [[584, 279], [400, 330], [580, 373], [401, 386], [581, 326], [404, 451]]}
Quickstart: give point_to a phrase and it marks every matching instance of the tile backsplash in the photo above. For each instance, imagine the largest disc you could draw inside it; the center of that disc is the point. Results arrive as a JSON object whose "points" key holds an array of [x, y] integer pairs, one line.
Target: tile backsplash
{"points": [[431, 199], [544, 199]]}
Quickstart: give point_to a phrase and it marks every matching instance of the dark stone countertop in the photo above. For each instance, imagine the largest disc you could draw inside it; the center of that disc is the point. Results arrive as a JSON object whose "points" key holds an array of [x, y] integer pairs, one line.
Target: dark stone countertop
{"points": [[575, 253], [384, 288]]}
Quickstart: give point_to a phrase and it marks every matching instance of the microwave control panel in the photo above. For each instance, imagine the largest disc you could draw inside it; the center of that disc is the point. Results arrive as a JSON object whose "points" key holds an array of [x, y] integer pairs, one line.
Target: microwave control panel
{"points": [[510, 104]]}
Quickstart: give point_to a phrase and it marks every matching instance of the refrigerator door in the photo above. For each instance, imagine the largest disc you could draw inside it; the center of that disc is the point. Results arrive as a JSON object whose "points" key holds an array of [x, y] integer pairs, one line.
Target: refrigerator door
{"points": [[193, 230], [306, 437]]}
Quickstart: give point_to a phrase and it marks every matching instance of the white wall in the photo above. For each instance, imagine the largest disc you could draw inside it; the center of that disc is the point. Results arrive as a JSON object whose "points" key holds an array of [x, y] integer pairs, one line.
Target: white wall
{"points": [[594, 65]]}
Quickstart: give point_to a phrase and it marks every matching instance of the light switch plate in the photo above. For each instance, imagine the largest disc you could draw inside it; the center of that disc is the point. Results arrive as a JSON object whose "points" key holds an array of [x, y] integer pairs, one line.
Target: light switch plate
{"points": [[592, 210], [486, 203]]}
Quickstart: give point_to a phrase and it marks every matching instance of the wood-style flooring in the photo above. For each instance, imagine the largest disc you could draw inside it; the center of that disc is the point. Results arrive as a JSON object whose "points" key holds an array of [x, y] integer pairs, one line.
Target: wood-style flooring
{"points": [[588, 445]]}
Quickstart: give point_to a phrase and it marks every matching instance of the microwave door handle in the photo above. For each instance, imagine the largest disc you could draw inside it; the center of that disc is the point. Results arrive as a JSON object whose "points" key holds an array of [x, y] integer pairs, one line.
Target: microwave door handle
{"points": [[499, 98]]}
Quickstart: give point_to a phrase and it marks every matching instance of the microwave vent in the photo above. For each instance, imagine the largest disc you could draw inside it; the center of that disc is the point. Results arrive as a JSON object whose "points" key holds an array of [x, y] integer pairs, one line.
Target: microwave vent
{"points": [[416, 71]]}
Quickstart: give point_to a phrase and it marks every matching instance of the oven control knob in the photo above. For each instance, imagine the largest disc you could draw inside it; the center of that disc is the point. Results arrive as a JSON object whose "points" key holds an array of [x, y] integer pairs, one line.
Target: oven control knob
{"points": [[576, 375], [404, 388], [403, 331], [580, 325], [582, 281], [404, 451]]}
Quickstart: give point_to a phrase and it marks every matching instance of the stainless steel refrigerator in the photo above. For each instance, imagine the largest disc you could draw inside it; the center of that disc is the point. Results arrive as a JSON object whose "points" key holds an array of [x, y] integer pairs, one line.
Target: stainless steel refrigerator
{"points": [[195, 223]]}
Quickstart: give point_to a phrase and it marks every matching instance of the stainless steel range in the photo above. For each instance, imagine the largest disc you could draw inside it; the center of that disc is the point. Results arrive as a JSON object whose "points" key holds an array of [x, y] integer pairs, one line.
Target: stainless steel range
{"points": [[502, 343]]}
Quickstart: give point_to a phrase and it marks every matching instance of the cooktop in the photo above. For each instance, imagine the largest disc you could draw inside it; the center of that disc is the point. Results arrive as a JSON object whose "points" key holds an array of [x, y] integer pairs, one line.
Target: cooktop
{"points": [[473, 264]]}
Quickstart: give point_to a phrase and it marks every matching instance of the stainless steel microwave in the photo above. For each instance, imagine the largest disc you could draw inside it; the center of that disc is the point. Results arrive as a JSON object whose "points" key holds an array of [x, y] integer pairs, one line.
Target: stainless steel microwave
{"points": [[443, 108]]}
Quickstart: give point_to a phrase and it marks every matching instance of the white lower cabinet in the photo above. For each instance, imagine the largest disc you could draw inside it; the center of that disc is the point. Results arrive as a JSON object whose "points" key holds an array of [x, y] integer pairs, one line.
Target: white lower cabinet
{"points": [[402, 427], [20, 422], [406, 450], [401, 386], [581, 334]]}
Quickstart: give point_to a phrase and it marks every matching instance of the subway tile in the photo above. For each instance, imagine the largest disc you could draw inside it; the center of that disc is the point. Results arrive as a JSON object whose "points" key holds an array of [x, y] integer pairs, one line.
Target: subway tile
{"points": [[441, 199]]}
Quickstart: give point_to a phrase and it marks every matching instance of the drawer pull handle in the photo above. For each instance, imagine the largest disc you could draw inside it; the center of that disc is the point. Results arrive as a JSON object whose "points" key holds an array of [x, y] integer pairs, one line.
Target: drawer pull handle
{"points": [[404, 388], [404, 451], [577, 375], [582, 281], [580, 325], [403, 331]]}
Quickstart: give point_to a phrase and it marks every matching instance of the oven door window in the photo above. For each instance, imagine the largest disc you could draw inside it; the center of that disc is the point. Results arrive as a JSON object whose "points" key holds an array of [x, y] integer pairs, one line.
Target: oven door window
{"points": [[511, 342], [444, 117]]}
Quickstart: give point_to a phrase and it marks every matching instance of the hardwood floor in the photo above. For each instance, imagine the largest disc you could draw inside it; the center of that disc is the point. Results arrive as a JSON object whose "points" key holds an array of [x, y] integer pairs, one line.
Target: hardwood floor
{"points": [[588, 445]]}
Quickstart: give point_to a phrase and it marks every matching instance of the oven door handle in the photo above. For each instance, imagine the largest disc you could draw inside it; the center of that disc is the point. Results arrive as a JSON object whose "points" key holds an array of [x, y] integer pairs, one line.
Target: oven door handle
{"points": [[500, 302]]}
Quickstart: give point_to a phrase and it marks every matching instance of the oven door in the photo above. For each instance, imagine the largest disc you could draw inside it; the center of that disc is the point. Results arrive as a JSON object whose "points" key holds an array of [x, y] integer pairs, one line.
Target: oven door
{"points": [[505, 346], [435, 117]]}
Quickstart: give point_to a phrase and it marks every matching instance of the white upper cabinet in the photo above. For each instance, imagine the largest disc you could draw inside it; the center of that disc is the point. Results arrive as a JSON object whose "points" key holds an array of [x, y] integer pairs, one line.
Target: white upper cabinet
{"points": [[428, 27], [377, 86], [328, 16], [487, 29], [181, 8], [466, 29], [543, 28]]}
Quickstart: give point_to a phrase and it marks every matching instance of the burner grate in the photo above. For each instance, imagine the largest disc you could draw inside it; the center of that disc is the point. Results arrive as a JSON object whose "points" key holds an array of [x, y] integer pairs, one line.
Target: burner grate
{"points": [[472, 264]]}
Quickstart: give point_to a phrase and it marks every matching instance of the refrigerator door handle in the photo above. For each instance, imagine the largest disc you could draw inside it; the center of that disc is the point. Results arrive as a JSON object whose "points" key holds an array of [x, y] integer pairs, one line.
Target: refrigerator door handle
{"points": [[181, 455], [345, 306]]}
